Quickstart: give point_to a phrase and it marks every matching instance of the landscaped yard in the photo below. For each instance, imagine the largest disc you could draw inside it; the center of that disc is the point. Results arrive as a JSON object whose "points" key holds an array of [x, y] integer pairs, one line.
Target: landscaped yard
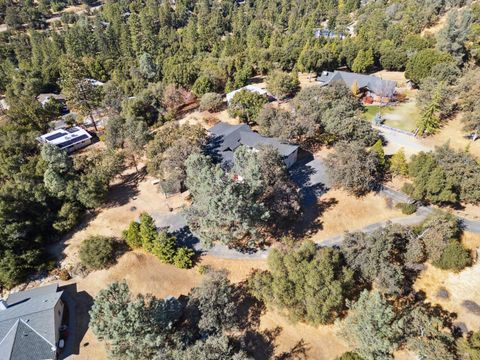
{"points": [[403, 116]]}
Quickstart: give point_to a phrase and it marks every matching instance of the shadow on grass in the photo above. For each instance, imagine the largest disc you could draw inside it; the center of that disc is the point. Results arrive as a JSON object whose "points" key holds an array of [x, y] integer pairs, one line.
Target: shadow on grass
{"points": [[121, 193]]}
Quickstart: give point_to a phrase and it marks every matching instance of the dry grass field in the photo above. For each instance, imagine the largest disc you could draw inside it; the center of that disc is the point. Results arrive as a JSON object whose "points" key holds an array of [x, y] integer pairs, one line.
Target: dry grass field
{"points": [[453, 133], [146, 275], [461, 287], [350, 213]]}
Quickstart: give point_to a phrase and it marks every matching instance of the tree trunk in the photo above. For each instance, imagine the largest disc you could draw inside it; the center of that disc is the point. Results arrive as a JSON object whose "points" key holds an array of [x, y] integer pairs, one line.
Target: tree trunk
{"points": [[93, 121]]}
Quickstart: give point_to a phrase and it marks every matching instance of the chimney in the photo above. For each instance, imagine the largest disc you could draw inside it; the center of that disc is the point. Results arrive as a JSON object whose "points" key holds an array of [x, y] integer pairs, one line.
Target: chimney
{"points": [[3, 305]]}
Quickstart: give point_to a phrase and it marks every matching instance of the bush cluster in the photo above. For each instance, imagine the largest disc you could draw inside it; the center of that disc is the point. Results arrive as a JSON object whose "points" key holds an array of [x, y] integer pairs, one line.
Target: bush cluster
{"points": [[98, 252], [144, 235]]}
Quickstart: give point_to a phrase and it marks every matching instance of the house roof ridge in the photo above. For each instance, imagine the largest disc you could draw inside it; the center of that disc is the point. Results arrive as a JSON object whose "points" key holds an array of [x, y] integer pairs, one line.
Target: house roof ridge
{"points": [[15, 325], [36, 332]]}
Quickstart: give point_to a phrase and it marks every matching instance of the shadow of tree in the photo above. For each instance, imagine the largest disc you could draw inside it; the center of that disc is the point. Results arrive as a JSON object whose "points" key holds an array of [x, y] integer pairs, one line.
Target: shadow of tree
{"points": [[121, 193], [299, 351]]}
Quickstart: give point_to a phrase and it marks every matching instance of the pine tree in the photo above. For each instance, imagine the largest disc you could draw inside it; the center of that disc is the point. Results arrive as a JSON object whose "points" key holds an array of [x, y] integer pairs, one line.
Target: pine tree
{"points": [[429, 122], [148, 231], [371, 327]]}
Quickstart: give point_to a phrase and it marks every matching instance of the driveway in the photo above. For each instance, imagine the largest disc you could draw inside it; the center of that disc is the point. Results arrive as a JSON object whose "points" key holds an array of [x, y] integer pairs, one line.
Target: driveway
{"points": [[310, 175], [396, 140], [176, 224]]}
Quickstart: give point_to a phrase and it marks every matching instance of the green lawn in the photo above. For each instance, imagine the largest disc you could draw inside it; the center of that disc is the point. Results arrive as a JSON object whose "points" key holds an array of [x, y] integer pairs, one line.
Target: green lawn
{"points": [[402, 116], [372, 110]]}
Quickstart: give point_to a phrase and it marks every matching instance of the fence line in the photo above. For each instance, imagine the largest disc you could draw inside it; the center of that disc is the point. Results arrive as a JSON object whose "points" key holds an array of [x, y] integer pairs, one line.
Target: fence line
{"points": [[396, 130]]}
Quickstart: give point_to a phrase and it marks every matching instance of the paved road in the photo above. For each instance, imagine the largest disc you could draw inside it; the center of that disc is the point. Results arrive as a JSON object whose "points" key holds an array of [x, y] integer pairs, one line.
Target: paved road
{"points": [[396, 140]]}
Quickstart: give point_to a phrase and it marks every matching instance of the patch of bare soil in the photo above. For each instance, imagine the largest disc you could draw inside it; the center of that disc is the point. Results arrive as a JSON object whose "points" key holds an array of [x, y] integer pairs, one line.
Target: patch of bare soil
{"points": [[127, 198], [347, 212], [208, 119], [307, 79]]}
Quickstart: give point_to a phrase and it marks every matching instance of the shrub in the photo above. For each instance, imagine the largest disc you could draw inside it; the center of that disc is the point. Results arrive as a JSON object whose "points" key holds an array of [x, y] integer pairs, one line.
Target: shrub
{"points": [[454, 257], [471, 306], [406, 208], [148, 231], [97, 252], [132, 235], [349, 356], [398, 163], [183, 258], [282, 84], [204, 84], [164, 247], [161, 244], [204, 269], [211, 102]]}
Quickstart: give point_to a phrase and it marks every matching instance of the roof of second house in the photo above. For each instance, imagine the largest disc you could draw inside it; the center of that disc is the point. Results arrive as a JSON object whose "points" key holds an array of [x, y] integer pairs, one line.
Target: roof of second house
{"points": [[44, 98], [375, 84], [251, 88], [27, 324]]}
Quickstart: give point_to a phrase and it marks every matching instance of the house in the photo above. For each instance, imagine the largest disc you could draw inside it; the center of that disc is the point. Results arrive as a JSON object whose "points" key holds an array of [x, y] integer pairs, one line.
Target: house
{"points": [[226, 138], [252, 88], [95, 82], [327, 34], [30, 324], [70, 139], [369, 86], [46, 97]]}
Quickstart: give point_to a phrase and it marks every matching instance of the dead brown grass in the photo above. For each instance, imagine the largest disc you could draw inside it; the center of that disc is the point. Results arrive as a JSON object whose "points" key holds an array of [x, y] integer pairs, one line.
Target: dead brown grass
{"points": [[321, 342], [454, 134], [398, 76], [351, 213], [462, 286], [146, 275], [119, 212]]}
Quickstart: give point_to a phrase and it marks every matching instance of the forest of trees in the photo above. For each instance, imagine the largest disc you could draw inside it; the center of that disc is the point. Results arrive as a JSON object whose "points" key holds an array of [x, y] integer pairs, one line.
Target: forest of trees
{"points": [[154, 58]]}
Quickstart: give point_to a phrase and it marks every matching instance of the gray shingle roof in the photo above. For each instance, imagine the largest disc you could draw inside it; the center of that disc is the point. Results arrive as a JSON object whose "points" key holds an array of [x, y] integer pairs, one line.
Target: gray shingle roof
{"points": [[254, 140], [27, 325], [226, 138], [375, 84]]}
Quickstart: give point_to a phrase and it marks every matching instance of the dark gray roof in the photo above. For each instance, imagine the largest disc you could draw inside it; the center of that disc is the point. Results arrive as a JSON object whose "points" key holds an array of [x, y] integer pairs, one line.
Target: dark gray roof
{"points": [[254, 140], [373, 83], [223, 129], [27, 325], [226, 138], [24, 343]]}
